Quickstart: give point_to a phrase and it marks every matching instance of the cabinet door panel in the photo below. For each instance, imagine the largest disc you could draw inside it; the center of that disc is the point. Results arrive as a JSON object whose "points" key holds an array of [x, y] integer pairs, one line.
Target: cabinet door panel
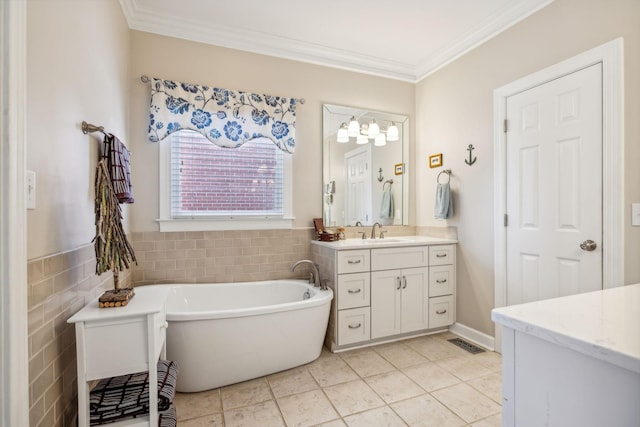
{"points": [[385, 303], [415, 299]]}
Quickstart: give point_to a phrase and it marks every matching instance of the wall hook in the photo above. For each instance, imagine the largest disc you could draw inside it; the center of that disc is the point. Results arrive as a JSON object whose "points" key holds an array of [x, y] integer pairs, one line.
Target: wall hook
{"points": [[380, 177], [471, 160]]}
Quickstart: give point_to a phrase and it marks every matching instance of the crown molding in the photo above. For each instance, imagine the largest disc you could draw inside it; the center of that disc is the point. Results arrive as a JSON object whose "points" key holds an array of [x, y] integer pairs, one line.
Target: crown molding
{"points": [[517, 11], [267, 44]]}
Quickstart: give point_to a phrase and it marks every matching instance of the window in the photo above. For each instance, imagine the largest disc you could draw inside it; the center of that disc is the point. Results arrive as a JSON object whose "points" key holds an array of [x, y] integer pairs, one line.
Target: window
{"points": [[207, 187]]}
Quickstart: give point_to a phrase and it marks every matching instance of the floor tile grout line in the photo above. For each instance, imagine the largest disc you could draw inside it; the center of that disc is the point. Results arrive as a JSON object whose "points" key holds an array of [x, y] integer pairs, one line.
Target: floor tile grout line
{"points": [[487, 364]]}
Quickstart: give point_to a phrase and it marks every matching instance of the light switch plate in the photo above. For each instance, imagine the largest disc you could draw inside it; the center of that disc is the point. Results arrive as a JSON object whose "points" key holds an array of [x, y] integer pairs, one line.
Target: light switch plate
{"points": [[30, 188], [635, 214]]}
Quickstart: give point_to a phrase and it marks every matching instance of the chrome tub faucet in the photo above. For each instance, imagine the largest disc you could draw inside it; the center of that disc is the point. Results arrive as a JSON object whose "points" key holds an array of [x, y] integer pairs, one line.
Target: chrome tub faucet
{"points": [[314, 277]]}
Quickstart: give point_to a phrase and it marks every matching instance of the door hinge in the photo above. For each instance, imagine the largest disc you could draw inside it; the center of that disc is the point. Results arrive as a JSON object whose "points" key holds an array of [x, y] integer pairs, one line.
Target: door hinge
{"points": [[505, 125], [506, 220]]}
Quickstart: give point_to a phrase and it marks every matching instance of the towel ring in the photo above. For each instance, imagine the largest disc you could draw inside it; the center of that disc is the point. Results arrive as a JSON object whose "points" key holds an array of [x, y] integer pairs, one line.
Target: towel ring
{"points": [[446, 171], [389, 181]]}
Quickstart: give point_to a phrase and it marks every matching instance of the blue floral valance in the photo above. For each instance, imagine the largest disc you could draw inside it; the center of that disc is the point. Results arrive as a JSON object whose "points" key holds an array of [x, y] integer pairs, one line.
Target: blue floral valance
{"points": [[225, 117]]}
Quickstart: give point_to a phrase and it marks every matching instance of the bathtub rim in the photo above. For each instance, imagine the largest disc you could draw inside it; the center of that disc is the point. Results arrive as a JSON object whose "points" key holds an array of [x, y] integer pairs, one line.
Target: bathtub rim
{"points": [[321, 297]]}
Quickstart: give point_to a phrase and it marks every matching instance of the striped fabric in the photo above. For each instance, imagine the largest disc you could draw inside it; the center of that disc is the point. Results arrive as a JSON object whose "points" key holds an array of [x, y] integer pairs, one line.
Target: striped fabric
{"points": [[127, 396], [119, 166]]}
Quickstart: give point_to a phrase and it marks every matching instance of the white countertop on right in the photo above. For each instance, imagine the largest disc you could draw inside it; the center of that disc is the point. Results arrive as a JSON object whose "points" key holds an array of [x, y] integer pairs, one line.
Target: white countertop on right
{"points": [[603, 324]]}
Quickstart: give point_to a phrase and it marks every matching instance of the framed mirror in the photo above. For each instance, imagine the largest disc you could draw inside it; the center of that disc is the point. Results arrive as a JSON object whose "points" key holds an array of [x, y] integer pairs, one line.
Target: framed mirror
{"points": [[364, 165]]}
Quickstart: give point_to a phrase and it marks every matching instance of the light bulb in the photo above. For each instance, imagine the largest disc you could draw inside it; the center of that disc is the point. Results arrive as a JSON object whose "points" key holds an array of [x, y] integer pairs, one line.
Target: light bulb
{"points": [[380, 140], [374, 129], [343, 134], [392, 132], [354, 127], [362, 139]]}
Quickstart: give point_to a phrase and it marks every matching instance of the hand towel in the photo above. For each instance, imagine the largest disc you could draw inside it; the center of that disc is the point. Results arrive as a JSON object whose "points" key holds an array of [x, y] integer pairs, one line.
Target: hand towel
{"points": [[386, 207], [118, 164], [443, 206]]}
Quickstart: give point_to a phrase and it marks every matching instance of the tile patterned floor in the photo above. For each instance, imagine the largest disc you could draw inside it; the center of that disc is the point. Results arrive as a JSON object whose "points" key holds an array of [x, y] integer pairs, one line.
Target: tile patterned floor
{"points": [[424, 381]]}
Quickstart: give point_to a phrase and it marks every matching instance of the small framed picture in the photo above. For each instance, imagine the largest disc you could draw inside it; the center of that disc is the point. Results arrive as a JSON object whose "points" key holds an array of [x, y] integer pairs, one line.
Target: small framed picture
{"points": [[399, 168], [435, 160]]}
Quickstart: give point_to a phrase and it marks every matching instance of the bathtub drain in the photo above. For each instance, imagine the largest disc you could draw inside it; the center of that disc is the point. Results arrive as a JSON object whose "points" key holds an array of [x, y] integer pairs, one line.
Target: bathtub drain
{"points": [[306, 295]]}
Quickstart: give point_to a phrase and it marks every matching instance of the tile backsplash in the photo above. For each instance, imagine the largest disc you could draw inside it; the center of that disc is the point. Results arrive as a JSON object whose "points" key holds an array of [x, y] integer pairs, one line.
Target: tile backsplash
{"points": [[218, 256], [59, 285]]}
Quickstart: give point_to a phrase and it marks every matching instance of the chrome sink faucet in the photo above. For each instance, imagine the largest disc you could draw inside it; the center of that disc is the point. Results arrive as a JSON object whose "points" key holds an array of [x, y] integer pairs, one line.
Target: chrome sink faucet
{"points": [[373, 229], [315, 274]]}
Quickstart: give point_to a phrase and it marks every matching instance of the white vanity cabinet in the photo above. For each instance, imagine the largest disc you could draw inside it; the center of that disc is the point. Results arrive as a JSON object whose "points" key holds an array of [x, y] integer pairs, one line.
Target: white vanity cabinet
{"points": [[121, 340], [385, 291]]}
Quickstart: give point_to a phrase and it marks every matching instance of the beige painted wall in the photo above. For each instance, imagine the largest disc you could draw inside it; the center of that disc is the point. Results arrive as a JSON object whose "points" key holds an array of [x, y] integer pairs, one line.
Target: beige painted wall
{"points": [[454, 108], [77, 69], [158, 56]]}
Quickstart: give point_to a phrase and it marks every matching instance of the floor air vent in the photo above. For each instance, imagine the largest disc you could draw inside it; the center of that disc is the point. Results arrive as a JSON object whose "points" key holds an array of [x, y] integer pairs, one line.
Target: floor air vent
{"points": [[473, 349]]}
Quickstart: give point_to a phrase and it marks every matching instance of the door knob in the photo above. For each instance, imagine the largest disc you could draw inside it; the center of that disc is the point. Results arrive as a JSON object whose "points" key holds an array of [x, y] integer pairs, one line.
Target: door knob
{"points": [[588, 245]]}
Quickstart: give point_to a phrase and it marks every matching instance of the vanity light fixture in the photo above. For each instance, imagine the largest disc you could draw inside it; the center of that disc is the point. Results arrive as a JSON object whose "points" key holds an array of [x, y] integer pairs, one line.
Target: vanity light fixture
{"points": [[366, 132], [380, 140], [374, 129], [343, 133], [354, 127], [392, 132], [361, 139]]}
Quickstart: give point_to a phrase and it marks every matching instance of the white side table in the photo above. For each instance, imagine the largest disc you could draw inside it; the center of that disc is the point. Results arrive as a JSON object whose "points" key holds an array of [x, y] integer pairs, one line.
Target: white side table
{"points": [[121, 340]]}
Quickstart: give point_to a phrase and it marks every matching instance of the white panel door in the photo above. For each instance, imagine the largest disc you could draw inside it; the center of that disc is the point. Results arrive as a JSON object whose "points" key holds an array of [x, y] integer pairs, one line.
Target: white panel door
{"points": [[358, 192], [554, 188]]}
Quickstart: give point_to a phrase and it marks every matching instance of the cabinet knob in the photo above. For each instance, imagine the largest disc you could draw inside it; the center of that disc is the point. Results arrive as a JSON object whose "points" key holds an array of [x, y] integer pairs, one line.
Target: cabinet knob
{"points": [[404, 282], [441, 255], [355, 326], [441, 311], [354, 291], [441, 281], [164, 325], [353, 261]]}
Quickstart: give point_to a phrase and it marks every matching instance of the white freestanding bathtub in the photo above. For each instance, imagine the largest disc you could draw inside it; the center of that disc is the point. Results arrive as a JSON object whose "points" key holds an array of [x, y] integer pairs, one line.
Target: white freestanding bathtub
{"points": [[221, 334]]}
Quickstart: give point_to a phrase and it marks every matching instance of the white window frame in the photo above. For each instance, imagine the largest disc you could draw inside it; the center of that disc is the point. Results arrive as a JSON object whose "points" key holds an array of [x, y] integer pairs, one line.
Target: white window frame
{"points": [[221, 222]]}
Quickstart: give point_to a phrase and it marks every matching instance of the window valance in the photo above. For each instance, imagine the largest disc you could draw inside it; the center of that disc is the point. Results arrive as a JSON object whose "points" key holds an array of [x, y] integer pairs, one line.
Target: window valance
{"points": [[225, 117]]}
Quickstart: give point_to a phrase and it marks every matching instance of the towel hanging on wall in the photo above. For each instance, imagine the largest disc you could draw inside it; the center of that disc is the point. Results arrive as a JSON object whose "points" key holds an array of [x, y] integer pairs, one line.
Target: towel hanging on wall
{"points": [[225, 117], [119, 166], [443, 208], [387, 205]]}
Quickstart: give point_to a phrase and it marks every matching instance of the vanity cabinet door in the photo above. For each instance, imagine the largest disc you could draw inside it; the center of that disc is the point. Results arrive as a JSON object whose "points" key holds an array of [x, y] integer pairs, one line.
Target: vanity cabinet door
{"points": [[385, 303], [415, 299], [399, 301]]}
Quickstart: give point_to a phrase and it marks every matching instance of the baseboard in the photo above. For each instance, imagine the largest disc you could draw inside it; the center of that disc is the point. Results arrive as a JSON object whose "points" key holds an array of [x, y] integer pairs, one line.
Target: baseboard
{"points": [[474, 336]]}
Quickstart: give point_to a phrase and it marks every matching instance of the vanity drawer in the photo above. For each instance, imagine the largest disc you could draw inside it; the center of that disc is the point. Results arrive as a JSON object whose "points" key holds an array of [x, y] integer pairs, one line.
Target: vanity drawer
{"points": [[441, 311], [354, 261], [441, 280], [441, 254], [354, 290], [354, 325], [395, 258]]}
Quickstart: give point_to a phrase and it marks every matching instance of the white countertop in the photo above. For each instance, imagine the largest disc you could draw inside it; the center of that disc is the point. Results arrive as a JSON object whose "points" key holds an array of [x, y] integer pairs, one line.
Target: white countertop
{"points": [[147, 299], [602, 324], [387, 242]]}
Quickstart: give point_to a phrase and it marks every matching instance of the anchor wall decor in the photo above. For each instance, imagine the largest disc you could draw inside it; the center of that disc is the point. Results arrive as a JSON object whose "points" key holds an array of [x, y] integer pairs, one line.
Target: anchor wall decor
{"points": [[472, 159]]}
